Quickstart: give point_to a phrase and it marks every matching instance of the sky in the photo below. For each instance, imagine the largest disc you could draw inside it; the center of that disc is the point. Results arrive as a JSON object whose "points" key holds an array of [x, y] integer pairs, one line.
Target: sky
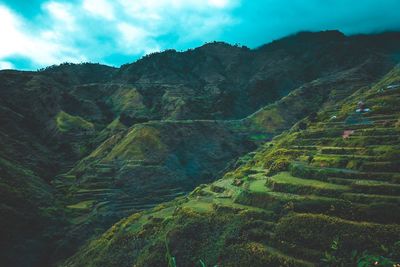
{"points": [[39, 33]]}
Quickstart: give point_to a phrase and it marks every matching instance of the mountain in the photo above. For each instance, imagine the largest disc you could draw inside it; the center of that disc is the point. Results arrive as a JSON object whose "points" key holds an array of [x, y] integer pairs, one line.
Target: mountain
{"points": [[309, 194], [83, 146]]}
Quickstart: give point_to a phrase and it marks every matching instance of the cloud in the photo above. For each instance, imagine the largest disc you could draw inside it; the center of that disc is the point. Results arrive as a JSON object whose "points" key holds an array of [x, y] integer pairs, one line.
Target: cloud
{"points": [[41, 46], [78, 30], [219, 3], [144, 21], [5, 65], [136, 40], [60, 12], [266, 20], [188, 20], [101, 8], [119, 31]]}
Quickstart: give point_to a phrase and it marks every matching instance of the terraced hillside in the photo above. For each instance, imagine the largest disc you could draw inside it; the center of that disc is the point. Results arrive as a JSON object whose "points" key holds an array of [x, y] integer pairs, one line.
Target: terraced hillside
{"points": [[145, 165], [83, 145], [142, 167], [327, 192]]}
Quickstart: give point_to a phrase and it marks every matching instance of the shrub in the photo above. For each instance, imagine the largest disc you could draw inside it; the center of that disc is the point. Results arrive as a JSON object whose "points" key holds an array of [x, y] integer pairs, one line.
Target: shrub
{"points": [[317, 231], [300, 170], [336, 258], [279, 165]]}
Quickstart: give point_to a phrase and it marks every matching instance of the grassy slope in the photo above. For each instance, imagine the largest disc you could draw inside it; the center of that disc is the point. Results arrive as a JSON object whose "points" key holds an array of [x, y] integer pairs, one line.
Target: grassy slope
{"points": [[283, 206], [67, 123], [308, 99], [146, 164], [30, 102]]}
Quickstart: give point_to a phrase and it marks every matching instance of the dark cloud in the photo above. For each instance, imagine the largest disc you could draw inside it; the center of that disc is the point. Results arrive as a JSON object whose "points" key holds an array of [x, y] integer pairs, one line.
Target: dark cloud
{"points": [[265, 20]]}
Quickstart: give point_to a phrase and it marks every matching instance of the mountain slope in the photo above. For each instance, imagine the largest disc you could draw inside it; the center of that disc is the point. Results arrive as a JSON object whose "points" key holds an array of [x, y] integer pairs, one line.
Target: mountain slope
{"points": [[156, 161], [69, 133], [218, 81], [286, 203]]}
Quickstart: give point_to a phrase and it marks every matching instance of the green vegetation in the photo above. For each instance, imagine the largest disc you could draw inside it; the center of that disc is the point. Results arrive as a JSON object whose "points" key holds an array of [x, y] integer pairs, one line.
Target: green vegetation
{"points": [[85, 148], [67, 123], [308, 198], [335, 257], [81, 205], [285, 182], [138, 144]]}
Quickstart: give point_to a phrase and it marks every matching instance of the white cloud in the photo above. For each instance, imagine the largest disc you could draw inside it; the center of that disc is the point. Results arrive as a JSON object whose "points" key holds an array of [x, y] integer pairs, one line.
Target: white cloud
{"points": [[166, 6], [8, 30], [136, 40], [61, 13], [5, 65], [20, 39], [219, 3], [100, 8], [97, 29], [188, 19]]}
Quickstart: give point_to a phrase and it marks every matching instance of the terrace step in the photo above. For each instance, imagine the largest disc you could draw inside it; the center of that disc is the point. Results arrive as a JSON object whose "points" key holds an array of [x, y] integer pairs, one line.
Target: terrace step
{"points": [[87, 194], [367, 137], [389, 166], [371, 198], [376, 132], [341, 150], [285, 182], [352, 140], [342, 127], [340, 124], [104, 165], [371, 150], [375, 187], [323, 173], [95, 185], [366, 158], [130, 208], [96, 179], [374, 116]]}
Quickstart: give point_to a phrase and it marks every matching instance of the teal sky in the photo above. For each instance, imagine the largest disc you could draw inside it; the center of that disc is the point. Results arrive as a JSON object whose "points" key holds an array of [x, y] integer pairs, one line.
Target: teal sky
{"points": [[38, 33]]}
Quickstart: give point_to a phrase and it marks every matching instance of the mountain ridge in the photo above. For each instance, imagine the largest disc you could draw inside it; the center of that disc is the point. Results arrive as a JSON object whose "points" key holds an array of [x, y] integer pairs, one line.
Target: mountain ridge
{"points": [[285, 204], [77, 134]]}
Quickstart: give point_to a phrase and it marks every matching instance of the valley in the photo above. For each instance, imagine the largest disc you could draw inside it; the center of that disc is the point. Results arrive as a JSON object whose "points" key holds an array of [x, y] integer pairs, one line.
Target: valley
{"points": [[220, 153]]}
